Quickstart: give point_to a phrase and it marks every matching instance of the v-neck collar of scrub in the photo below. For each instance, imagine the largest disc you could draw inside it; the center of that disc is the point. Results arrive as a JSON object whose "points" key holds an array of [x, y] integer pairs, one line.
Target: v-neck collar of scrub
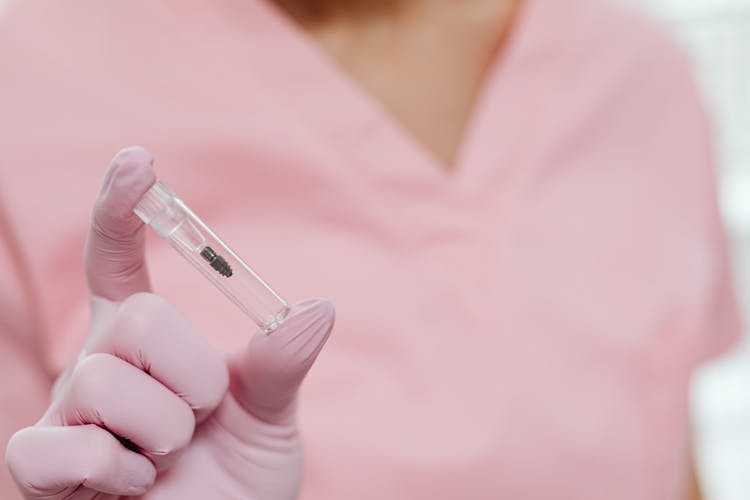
{"points": [[363, 133]]}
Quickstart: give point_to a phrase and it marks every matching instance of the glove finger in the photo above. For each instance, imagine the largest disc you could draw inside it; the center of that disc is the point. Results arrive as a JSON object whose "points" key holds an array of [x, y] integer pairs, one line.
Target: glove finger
{"points": [[112, 393], [47, 461], [265, 378], [114, 255], [150, 334]]}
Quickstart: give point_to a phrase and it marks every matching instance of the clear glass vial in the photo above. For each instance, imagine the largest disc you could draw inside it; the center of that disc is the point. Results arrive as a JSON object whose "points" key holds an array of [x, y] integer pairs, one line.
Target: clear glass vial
{"points": [[161, 209]]}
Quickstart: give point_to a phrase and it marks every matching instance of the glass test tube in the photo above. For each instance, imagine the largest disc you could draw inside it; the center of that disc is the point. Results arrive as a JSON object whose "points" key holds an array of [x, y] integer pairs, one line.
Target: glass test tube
{"points": [[175, 222]]}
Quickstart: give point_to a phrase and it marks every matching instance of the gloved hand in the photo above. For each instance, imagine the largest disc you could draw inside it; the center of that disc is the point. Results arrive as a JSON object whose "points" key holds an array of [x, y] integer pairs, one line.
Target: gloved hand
{"points": [[149, 408]]}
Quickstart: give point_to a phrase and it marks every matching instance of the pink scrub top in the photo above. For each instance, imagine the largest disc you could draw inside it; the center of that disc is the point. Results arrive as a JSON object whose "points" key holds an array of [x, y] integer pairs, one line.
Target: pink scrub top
{"points": [[523, 326]]}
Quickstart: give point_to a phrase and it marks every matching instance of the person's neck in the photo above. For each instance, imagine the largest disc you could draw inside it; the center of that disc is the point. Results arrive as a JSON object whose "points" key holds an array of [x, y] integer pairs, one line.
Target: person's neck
{"points": [[314, 15], [423, 60]]}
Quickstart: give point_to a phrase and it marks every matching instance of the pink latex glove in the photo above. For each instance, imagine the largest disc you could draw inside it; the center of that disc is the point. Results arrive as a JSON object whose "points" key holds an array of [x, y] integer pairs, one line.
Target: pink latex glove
{"points": [[203, 427]]}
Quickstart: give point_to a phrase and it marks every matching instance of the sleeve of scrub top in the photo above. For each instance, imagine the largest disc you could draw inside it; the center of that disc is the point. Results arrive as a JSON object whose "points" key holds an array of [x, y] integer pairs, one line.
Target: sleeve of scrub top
{"points": [[24, 384], [687, 131]]}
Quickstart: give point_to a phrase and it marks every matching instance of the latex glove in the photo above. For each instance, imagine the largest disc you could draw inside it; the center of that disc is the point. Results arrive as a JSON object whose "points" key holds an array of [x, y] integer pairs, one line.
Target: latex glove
{"points": [[149, 408]]}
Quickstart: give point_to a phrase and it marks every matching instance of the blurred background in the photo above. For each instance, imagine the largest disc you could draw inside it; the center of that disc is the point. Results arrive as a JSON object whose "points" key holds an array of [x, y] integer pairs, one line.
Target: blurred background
{"points": [[716, 33]]}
